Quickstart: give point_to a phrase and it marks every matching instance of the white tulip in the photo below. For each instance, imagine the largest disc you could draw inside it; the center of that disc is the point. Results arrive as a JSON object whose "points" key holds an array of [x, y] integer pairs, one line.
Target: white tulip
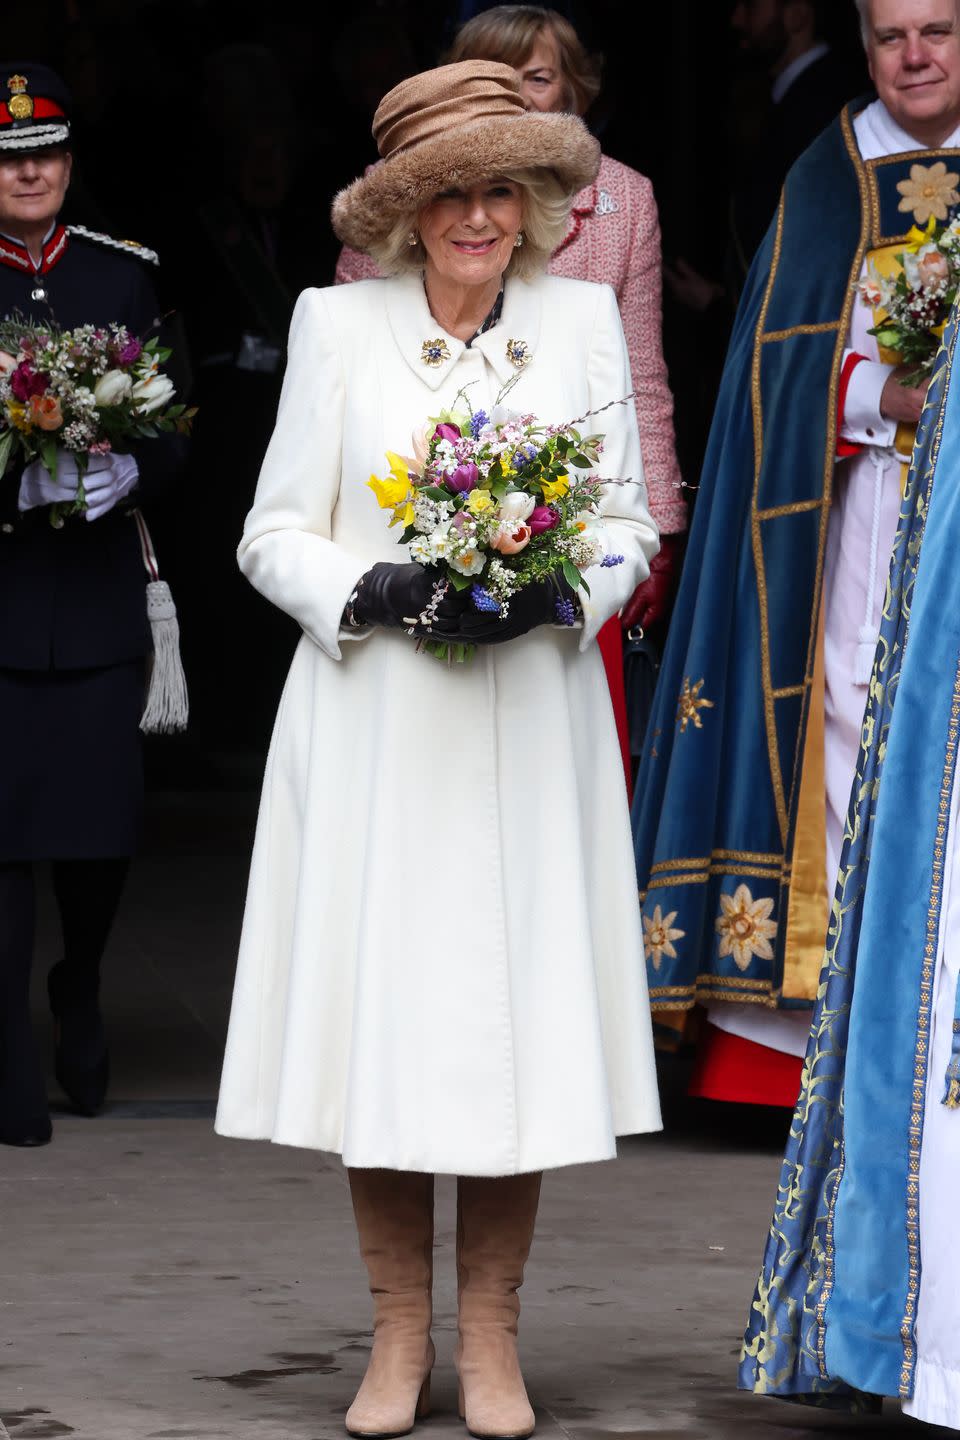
{"points": [[517, 506], [153, 392], [113, 388]]}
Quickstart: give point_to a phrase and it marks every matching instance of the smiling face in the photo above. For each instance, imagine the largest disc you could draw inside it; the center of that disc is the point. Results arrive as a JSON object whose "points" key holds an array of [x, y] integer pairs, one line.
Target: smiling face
{"points": [[32, 189], [913, 49], [469, 234]]}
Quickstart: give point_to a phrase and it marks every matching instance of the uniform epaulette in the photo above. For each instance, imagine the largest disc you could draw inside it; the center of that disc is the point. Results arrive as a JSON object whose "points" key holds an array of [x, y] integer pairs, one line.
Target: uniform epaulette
{"points": [[130, 247]]}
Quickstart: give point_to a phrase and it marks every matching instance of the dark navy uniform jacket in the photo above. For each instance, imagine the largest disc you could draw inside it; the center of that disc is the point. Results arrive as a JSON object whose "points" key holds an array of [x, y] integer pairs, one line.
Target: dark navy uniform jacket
{"points": [[75, 597]]}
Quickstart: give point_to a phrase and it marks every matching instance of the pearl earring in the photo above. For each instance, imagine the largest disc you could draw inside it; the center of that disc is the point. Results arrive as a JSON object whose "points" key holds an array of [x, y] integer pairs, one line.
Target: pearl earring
{"points": [[519, 240], [413, 238]]}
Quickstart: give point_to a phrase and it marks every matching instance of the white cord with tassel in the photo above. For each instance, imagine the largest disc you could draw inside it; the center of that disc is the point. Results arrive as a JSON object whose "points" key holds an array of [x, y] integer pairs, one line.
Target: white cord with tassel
{"points": [[867, 634], [167, 706]]}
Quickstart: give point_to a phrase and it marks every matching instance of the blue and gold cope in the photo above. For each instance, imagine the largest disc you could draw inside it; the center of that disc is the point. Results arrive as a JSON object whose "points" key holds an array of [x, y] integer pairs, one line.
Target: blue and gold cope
{"points": [[833, 1319], [729, 810]]}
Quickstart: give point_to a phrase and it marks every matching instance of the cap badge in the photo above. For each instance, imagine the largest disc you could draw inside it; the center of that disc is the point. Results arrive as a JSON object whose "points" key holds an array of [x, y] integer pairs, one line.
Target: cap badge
{"points": [[434, 352], [519, 353], [20, 105]]}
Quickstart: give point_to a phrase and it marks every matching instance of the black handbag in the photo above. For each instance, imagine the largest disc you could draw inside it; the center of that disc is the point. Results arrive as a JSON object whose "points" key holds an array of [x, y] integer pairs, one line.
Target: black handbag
{"points": [[641, 664]]}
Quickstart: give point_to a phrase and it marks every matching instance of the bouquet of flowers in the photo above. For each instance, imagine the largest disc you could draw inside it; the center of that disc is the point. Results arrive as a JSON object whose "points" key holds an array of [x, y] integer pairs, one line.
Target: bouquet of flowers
{"points": [[916, 302], [497, 502], [87, 391]]}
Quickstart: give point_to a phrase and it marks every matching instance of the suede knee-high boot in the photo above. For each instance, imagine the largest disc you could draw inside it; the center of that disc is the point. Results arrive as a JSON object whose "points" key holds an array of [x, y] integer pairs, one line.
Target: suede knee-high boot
{"points": [[495, 1223], [394, 1214]]}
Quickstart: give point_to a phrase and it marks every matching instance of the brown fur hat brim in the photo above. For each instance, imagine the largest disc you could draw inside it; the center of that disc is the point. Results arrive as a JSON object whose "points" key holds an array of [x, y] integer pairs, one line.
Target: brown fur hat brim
{"points": [[397, 188]]}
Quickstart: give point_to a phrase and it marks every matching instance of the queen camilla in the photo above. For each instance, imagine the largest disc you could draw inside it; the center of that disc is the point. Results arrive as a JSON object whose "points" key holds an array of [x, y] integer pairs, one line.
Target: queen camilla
{"points": [[441, 967]]}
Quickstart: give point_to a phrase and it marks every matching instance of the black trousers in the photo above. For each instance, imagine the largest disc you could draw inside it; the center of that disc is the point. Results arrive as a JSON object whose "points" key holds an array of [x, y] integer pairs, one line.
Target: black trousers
{"points": [[88, 895]]}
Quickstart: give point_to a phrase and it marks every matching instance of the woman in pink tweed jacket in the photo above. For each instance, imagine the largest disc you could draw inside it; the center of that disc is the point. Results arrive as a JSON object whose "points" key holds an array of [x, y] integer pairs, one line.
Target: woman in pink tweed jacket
{"points": [[614, 239]]}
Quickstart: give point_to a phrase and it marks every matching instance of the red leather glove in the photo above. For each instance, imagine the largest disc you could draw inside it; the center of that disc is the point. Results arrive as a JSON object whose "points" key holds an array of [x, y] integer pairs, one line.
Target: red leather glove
{"points": [[649, 605]]}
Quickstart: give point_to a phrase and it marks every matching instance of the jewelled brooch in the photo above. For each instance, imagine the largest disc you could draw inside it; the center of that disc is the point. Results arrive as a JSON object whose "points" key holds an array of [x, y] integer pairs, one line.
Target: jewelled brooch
{"points": [[519, 353], [434, 352]]}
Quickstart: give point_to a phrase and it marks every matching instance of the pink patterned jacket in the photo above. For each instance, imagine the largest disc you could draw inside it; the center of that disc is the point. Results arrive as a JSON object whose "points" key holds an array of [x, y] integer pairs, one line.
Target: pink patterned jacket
{"points": [[614, 239]]}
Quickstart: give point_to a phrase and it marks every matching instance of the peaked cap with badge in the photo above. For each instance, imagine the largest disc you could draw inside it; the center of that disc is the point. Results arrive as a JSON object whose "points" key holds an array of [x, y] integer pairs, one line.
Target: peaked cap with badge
{"points": [[453, 126], [34, 107]]}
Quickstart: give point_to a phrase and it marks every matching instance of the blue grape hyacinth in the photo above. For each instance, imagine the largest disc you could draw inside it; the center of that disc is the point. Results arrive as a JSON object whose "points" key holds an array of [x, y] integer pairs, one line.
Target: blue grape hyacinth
{"points": [[478, 419], [565, 611], [484, 601], [608, 561]]}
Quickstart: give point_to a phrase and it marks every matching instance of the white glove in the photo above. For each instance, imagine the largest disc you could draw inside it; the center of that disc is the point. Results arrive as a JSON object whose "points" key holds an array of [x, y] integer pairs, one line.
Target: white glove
{"points": [[108, 481], [37, 487]]}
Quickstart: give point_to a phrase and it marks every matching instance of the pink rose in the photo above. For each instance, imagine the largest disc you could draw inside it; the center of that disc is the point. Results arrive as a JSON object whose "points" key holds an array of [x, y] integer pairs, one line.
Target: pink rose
{"points": [[7, 362], [421, 441], [511, 540], [45, 412]]}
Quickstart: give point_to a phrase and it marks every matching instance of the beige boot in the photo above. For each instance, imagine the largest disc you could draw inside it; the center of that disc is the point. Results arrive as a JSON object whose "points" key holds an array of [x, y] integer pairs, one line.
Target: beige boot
{"points": [[495, 1221], [394, 1213]]}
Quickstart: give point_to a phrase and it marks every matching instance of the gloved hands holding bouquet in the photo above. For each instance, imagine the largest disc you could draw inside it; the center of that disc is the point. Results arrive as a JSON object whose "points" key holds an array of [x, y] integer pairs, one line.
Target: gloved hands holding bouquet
{"points": [[106, 481]]}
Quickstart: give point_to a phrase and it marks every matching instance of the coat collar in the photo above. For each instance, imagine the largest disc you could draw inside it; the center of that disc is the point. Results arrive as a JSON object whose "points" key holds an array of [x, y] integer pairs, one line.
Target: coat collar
{"points": [[414, 327], [16, 255]]}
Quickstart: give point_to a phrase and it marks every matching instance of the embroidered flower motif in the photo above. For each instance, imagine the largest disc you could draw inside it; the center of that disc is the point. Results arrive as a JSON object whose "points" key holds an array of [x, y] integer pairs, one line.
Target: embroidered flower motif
{"points": [[931, 190], [745, 927], [519, 353], [659, 935], [434, 352], [690, 704]]}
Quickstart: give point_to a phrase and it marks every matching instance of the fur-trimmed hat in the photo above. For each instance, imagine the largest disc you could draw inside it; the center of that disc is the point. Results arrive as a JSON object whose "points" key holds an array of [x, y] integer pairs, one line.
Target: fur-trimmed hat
{"points": [[453, 126]]}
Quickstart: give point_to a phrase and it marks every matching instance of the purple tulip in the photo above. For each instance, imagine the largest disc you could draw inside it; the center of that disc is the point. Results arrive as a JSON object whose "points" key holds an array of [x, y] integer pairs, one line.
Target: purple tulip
{"points": [[544, 517], [447, 432], [463, 479], [25, 382]]}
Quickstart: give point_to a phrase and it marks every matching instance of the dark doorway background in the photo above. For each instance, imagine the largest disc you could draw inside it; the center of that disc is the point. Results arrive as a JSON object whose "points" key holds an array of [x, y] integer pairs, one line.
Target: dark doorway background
{"points": [[218, 133]]}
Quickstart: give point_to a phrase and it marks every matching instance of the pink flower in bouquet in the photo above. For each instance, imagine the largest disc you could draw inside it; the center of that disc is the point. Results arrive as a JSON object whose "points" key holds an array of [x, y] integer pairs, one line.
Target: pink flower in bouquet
{"points": [[7, 362], [130, 352], [25, 382], [544, 517], [463, 479], [45, 412], [510, 540], [447, 432], [421, 442], [933, 266]]}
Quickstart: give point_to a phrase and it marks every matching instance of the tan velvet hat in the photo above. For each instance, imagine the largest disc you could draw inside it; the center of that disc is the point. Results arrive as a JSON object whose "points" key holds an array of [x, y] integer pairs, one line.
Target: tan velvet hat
{"points": [[453, 126]]}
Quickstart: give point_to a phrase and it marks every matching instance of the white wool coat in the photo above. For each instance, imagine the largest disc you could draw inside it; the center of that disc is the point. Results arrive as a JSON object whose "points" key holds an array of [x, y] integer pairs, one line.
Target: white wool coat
{"points": [[441, 966]]}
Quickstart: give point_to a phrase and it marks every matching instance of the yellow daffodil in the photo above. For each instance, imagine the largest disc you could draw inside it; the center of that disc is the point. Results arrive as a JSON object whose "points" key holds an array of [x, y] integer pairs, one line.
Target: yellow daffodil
{"points": [[939, 329], [479, 502], [391, 493], [555, 489], [917, 237]]}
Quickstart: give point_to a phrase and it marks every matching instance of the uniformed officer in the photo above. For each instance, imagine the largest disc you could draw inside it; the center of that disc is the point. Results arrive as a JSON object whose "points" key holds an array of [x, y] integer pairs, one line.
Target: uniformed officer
{"points": [[74, 636]]}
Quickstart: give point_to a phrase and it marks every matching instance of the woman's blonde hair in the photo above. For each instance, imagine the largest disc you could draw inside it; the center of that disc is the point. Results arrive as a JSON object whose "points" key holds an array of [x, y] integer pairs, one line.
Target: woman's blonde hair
{"points": [[509, 32], [545, 217]]}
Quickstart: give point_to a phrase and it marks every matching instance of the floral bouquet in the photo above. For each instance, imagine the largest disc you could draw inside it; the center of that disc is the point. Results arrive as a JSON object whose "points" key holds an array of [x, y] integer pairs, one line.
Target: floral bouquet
{"points": [[87, 391], [495, 503], [916, 302]]}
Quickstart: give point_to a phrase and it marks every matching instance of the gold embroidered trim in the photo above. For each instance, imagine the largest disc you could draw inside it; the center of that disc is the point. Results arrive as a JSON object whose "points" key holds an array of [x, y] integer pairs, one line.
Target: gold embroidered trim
{"points": [[870, 168], [757, 403], [790, 692], [825, 327], [663, 881], [799, 507], [828, 1271], [745, 857], [922, 1053]]}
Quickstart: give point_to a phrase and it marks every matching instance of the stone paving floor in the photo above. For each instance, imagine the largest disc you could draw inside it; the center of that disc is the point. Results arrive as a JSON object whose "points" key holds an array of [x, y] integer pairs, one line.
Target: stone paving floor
{"points": [[158, 1282]]}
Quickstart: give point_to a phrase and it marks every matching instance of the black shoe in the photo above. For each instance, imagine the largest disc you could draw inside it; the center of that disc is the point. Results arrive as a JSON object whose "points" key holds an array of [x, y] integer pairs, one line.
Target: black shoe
{"points": [[24, 1117], [81, 1059]]}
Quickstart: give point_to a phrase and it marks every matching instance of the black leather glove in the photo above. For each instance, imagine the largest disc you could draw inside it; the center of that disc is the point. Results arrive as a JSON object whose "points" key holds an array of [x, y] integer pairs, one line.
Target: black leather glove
{"points": [[395, 596], [534, 605]]}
